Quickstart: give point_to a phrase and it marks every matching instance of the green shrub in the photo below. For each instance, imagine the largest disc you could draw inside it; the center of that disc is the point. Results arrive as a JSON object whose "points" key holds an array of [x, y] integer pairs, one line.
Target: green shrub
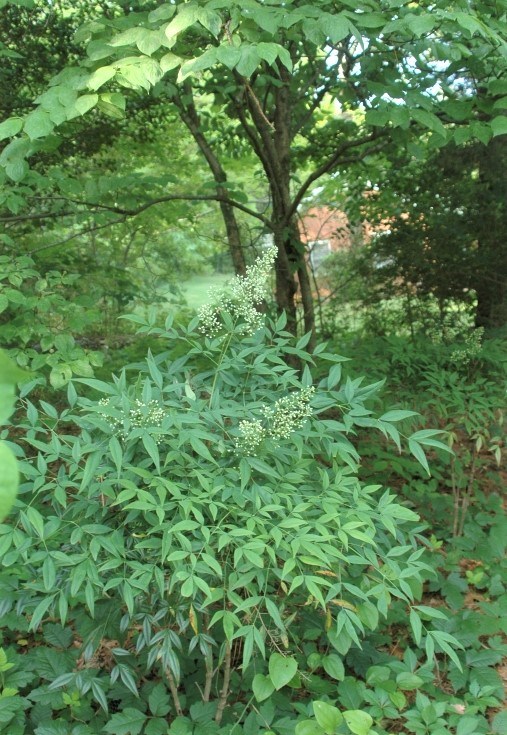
{"points": [[192, 545], [10, 375]]}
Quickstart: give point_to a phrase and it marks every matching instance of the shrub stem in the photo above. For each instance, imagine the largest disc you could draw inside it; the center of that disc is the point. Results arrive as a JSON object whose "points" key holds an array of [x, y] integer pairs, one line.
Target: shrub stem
{"points": [[174, 692], [222, 701]]}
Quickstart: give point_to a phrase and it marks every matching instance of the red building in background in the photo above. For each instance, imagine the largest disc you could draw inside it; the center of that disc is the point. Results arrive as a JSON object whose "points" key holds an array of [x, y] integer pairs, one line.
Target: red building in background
{"points": [[325, 231]]}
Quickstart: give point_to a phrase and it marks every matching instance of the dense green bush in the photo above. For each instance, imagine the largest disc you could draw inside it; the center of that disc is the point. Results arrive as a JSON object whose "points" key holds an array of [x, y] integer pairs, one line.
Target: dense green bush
{"points": [[193, 551], [40, 317], [364, 292]]}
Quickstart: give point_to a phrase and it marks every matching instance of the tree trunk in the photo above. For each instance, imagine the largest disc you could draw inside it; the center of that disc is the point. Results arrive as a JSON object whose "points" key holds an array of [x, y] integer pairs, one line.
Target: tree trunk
{"points": [[286, 286], [291, 273], [491, 281], [190, 117], [291, 250], [271, 141]]}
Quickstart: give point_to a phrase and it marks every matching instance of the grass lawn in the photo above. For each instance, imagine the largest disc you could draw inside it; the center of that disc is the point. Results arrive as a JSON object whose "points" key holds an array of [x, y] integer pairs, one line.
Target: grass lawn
{"points": [[195, 290]]}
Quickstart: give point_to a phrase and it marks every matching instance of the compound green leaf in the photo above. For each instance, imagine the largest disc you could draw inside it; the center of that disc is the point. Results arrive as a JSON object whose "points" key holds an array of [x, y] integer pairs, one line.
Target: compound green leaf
{"points": [[333, 666], [86, 102], [38, 124], [499, 724], [169, 61], [397, 415], [421, 24], [128, 722], [101, 76], [249, 60], [308, 727], [130, 37], [211, 20], [416, 625], [499, 125], [149, 42], [336, 27], [9, 480], [186, 17], [195, 66], [406, 681]]}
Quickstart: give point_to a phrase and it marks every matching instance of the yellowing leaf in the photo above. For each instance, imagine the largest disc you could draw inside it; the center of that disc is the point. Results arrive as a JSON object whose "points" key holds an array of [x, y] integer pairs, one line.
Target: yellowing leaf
{"points": [[345, 604], [192, 619]]}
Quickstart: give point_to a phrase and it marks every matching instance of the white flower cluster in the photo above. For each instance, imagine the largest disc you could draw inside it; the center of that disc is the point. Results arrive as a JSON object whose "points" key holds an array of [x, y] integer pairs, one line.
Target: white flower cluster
{"points": [[280, 421], [470, 337], [245, 293], [252, 434], [288, 413], [471, 348], [141, 415]]}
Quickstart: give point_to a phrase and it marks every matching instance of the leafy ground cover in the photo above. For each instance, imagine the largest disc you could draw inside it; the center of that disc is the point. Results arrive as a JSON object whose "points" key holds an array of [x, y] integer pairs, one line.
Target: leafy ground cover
{"points": [[462, 501]]}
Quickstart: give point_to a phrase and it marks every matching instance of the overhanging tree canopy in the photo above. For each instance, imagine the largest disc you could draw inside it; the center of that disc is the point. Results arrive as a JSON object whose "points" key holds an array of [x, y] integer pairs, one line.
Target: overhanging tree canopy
{"points": [[309, 87]]}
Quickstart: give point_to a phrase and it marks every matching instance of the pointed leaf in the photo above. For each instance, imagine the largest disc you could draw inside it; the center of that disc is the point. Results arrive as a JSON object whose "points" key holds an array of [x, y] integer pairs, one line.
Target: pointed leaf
{"points": [[327, 716], [86, 102], [10, 127], [100, 77], [333, 666], [358, 722], [262, 687], [38, 124], [281, 669], [499, 125], [128, 722]]}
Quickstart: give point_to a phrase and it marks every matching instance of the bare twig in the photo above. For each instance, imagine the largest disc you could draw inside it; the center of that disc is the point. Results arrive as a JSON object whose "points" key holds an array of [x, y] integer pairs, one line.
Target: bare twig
{"points": [[257, 104], [36, 215], [461, 501], [468, 493]]}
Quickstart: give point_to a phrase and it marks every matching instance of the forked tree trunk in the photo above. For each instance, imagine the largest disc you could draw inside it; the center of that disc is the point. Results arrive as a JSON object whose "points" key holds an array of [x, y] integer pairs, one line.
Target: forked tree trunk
{"points": [[272, 143]]}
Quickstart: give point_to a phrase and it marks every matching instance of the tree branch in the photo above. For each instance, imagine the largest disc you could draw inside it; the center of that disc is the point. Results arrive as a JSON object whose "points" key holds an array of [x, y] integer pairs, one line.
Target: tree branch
{"points": [[84, 231], [251, 132], [143, 207], [183, 197], [190, 117], [36, 215], [336, 159], [266, 148]]}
